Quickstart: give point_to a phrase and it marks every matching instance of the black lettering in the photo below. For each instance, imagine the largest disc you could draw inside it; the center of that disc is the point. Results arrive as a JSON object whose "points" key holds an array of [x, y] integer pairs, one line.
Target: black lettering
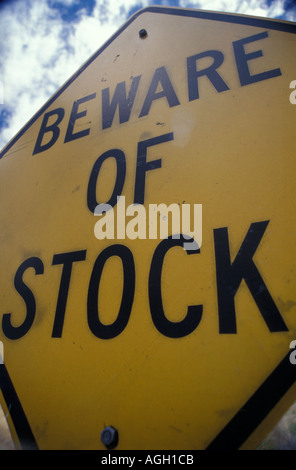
{"points": [[119, 100], [73, 118], [16, 332], [229, 276], [160, 77], [194, 312], [211, 72], [120, 178], [67, 259], [242, 61], [143, 165], [53, 128], [99, 329]]}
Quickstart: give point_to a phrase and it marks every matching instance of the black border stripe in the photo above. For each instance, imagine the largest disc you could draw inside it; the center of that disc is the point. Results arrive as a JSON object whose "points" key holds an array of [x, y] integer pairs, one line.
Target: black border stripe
{"points": [[287, 27], [235, 433], [19, 419], [244, 423], [279, 25]]}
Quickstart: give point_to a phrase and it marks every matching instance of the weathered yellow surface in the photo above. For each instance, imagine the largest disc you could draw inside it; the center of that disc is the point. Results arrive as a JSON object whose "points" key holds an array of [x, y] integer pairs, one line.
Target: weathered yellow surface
{"points": [[231, 149]]}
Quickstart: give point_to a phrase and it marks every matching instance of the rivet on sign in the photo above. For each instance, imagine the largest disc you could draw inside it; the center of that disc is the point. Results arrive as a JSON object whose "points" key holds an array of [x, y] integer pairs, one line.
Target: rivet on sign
{"points": [[143, 33], [109, 437]]}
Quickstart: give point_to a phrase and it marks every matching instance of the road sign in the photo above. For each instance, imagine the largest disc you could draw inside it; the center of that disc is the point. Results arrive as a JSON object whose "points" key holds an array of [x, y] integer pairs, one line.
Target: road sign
{"points": [[168, 342]]}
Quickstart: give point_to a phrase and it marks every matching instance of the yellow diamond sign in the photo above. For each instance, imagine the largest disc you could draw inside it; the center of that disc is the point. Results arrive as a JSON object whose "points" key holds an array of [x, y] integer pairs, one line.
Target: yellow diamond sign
{"points": [[148, 242]]}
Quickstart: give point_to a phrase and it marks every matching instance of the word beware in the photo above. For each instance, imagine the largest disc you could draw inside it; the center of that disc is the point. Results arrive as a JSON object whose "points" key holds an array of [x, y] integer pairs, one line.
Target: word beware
{"points": [[160, 87], [229, 276]]}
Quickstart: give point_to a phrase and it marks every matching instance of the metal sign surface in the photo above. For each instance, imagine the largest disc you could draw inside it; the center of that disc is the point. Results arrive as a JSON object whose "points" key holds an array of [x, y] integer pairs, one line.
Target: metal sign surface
{"points": [[176, 346]]}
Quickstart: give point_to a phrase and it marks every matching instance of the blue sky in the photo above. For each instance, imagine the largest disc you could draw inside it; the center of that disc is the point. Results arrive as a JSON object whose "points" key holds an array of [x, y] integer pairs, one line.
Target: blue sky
{"points": [[43, 42]]}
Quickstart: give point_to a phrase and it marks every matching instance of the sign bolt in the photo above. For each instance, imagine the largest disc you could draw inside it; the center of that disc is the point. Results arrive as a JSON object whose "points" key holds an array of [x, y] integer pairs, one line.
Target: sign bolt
{"points": [[109, 437], [143, 33]]}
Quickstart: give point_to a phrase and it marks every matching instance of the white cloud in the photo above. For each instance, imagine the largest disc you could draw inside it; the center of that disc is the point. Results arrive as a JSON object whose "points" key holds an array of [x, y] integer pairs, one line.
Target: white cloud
{"points": [[246, 7], [39, 52]]}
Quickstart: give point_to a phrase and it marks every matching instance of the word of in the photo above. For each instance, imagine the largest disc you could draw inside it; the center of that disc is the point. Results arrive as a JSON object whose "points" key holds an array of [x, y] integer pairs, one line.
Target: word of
{"points": [[142, 167]]}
